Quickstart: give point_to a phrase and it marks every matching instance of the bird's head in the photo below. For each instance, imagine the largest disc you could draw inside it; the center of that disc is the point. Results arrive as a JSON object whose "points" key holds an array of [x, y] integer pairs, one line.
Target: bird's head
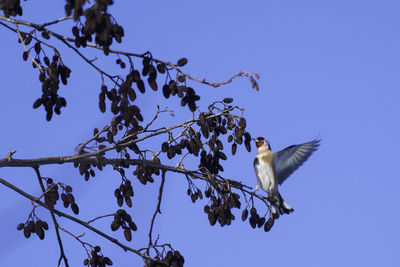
{"points": [[261, 142]]}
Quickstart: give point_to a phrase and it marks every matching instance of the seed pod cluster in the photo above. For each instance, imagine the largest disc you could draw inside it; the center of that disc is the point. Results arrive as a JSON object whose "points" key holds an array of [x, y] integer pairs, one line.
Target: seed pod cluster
{"points": [[150, 71], [51, 196], [256, 220], [239, 134], [50, 77], [11, 8], [124, 192], [187, 94], [97, 21], [68, 199], [144, 174], [193, 145], [97, 259], [120, 63], [86, 169], [31, 226], [195, 194], [124, 220], [171, 258], [127, 114], [220, 208], [210, 161]]}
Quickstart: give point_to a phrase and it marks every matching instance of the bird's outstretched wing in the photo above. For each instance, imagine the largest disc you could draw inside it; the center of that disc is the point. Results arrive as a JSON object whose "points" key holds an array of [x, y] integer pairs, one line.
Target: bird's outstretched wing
{"points": [[289, 159]]}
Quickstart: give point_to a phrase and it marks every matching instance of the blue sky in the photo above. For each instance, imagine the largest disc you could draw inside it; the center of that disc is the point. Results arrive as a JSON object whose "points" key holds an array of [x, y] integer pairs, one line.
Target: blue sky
{"points": [[328, 69]]}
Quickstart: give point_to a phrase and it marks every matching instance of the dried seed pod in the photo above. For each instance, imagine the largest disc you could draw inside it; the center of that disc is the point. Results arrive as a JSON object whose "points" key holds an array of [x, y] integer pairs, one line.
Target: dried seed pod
{"points": [[128, 202], [253, 221], [212, 218], [20, 226], [114, 226], [45, 226], [268, 225], [166, 91], [37, 48], [161, 68], [152, 83], [206, 209], [25, 55], [181, 78], [261, 222], [248, 145], [182, 62], [222, 155], [204, 131], [37, 103], [220, 145], [27, 232], [75, 31], [107, 261], [140, 86], [230, 138], [164, 147], [245, 214], [242, 123], [128, 234], [234, 147], [75, 208], [228, 100], [40, 233], [253, 211]]}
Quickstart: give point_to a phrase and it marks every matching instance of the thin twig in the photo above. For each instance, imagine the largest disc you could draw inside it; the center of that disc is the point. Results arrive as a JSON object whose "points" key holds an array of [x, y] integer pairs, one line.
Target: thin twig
{"points": [[84, 244], [100, 217], [62, 253], [83, 145], [158, 210]]}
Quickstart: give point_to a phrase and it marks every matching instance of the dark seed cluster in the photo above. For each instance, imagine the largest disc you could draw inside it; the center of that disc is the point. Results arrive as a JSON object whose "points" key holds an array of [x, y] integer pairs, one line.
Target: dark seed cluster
{"points": [[124, 220], [68, 199], [220, 208], [256, 220], [11, 8], [98, 22], [171, 259], [52, 195], [97, 259], [124, 192], [87, 170], [32, 226], [51, 73], [145, 174]]}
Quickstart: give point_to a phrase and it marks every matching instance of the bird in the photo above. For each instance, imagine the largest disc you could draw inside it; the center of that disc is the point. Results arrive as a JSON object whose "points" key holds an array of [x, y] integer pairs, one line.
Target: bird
{"points": [[273, 168]]}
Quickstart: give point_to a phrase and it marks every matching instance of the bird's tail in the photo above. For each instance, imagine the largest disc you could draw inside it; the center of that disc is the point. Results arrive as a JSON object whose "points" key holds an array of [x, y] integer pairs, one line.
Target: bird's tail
{"points": [[279, 206]]}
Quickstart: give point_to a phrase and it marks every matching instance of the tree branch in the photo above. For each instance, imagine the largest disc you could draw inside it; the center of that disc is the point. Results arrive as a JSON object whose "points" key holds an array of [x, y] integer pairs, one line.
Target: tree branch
{"points": [[69, 217], [128, 54]]}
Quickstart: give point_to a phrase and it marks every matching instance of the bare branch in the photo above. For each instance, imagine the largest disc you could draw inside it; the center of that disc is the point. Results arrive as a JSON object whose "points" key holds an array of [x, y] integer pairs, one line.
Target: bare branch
{"points": [[69, 217], [158, 210], [65, 40]]}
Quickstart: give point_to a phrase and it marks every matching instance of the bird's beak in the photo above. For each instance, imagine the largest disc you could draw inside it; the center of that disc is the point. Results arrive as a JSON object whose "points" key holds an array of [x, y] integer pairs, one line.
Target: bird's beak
{"points": [[255, 139]]}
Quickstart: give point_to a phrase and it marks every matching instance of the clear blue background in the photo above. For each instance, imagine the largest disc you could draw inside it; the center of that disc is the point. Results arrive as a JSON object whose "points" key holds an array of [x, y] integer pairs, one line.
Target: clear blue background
{"points": [[328, 69]]}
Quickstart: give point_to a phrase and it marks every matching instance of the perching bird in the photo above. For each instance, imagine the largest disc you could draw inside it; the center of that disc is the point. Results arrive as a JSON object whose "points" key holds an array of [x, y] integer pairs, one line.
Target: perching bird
{"points": [[274, 168]]}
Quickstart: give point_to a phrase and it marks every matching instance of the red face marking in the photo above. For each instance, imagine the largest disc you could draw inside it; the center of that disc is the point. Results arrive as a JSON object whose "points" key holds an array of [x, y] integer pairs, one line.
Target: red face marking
{"points": [[260, 143]]}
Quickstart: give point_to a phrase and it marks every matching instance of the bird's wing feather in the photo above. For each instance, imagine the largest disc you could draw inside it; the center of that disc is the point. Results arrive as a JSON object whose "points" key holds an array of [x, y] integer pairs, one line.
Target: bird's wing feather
{"points": [[289, 159], [255, 164]]}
